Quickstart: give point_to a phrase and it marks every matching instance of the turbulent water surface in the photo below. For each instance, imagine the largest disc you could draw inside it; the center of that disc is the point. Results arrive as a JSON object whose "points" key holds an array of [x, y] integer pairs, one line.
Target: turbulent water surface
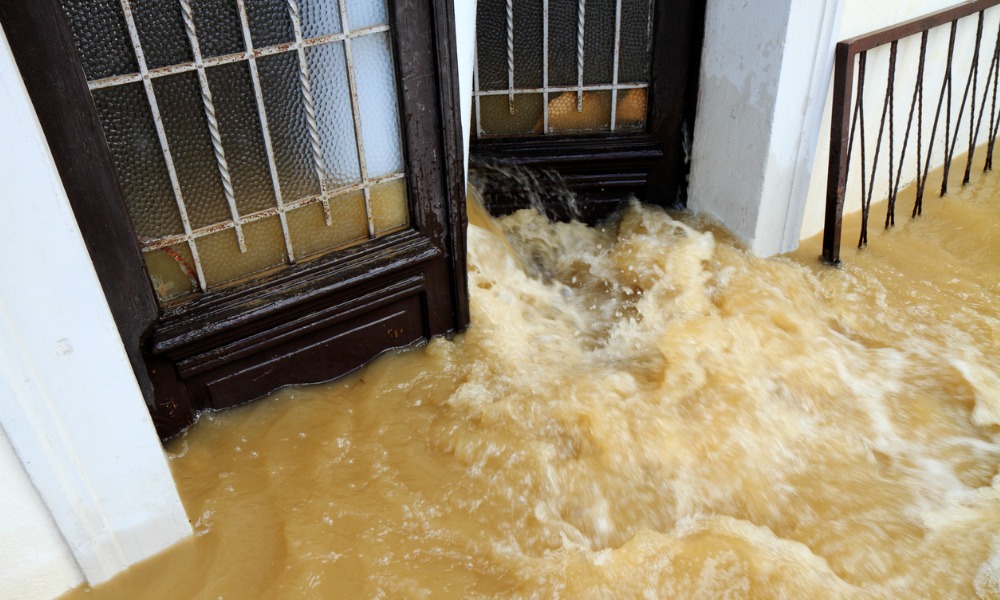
{"points": [[638, 410]]}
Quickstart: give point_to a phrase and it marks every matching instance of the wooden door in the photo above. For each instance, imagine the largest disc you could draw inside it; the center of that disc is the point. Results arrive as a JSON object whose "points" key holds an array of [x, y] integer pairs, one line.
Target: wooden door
{"points": [[271, 190], [599, 94]]}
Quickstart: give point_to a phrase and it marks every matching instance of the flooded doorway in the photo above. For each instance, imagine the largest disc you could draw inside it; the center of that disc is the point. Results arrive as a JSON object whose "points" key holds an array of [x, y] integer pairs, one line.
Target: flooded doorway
{"points": [[597, 94], [265, 201]]}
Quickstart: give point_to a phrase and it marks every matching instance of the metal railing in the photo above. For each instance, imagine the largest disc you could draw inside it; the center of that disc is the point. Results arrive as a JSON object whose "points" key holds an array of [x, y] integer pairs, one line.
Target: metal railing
{"points": [[848, 119]]}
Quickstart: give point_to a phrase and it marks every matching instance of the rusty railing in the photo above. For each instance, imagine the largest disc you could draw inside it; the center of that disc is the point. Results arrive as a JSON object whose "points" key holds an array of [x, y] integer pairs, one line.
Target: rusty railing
{"points": [[848, 120]]}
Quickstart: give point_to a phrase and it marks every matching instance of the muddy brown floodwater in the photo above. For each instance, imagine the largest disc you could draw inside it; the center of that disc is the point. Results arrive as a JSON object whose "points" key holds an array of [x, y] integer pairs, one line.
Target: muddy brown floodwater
{"points": [[638, 410]]}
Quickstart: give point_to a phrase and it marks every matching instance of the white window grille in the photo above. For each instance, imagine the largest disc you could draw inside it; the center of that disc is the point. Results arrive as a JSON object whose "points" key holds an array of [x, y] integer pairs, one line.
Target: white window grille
{"points": [[550, 59], [290, 66]]}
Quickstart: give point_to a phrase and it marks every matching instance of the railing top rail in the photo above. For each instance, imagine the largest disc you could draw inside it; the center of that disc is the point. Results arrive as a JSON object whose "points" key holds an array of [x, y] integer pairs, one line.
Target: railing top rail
{"points": [[886, 35]]}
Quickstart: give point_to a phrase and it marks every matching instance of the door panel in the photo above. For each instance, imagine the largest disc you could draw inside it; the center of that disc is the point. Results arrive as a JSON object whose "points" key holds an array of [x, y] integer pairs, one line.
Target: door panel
{"points": [[299, 256]]}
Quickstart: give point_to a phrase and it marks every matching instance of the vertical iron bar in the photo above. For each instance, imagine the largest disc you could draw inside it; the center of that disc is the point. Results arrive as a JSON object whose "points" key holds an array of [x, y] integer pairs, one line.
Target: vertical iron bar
{"points": [[475, 89], [265, 128], [921, 179], [865, 195], [213, 123], [974, 80], [890, 99], [161, 134], [614, 68], [918, 88], [974, 133], [947, 120], [510, 54], [310, 107], [356, 111], [582, 5], [945, 83], [836, 180], [545, 66], [992, 133]]}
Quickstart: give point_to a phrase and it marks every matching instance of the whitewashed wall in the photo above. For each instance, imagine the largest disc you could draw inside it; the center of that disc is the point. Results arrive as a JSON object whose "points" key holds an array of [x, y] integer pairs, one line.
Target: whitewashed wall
{"points": [[90, 491], [861, 17]]}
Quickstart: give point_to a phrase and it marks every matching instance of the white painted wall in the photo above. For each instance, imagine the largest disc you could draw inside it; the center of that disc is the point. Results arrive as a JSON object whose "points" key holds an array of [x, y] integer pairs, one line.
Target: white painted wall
{"points": [[764, 73], [35, 561], [465, 38], [69, 403], [761, 142], [861, 17]]}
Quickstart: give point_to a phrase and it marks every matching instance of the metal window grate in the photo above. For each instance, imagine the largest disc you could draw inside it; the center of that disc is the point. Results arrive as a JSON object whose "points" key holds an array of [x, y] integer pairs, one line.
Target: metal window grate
{"points": [[591, 87], [330, 187]]}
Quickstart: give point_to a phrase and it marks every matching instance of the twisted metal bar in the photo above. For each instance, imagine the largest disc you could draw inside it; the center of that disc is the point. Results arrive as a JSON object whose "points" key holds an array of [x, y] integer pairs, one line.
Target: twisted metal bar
{"points": [[213, 123], [579, 53], [161, 135], [510, 54], [310, 108], [918, 90], [265, 129]]}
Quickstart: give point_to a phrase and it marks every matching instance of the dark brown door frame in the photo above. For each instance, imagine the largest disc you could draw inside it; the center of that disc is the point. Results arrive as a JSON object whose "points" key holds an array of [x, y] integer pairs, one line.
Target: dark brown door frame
{"points": [[605, 168], [309, 322]]}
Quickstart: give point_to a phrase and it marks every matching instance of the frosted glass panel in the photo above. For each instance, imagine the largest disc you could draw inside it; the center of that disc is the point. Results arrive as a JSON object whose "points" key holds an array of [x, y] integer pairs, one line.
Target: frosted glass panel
{"points": [[636, 41], [101, 37], [333, 113], [377, 101], [319, 17], [179, 98], [242, 139], [599, 42], [527, 45], [270, 23], [131, 135], [491, 36], [286, 114], [238, 152], [172, 272], [563, 21], [221, 257], [311, 235], [595, 116], [631, 111], [218, 27], [366, 13], [584, 39], [497, 120], [161, 31], [389, 208]]}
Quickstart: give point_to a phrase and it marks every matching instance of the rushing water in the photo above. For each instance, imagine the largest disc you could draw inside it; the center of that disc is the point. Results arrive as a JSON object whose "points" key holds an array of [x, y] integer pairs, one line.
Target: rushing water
{"points": [[639, 410]]}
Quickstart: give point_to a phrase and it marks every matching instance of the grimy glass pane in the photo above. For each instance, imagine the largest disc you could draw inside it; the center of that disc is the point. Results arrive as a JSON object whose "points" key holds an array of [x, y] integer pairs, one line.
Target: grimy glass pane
{"points": [[286, 114], [179, 99], [319, 17], [270, 23], [101, 37], [390, 210], [328, 69], [131, 135], [171, 271], [595, 116], [218, 25], [491, 48], [311, 235], [161, 31], [239, 124], [631, 112], [497, 120], [377, 102], [636, 41], [223, 262], [599, 42], [366, 13], [528, 43], [562, 42]]}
